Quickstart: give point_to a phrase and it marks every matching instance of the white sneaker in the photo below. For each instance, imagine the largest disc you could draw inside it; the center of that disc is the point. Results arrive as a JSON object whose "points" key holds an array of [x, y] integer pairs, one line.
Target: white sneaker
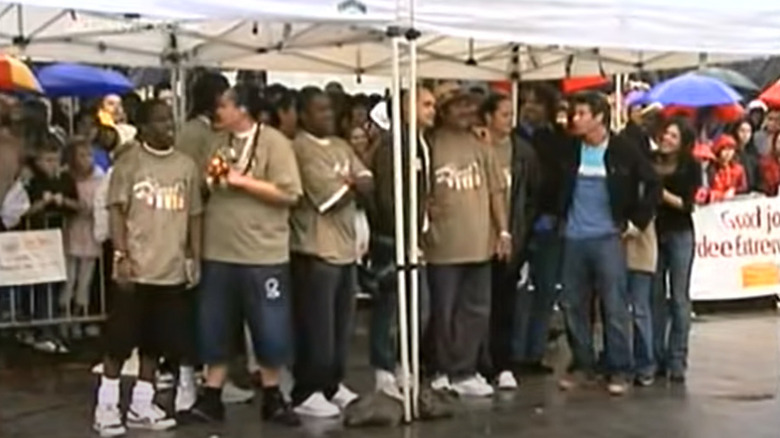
{"points": [[232, 394], [387, 384], [108, 421], [317, 406], [473, 387], [149, 417], [384, 379], [506, 380], [343, 397], [186, 395], [442, 383]]}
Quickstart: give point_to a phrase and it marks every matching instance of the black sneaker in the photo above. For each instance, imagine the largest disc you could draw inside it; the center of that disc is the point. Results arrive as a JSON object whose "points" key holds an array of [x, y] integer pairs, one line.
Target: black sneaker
{"points": [[535, 369], [677, 377], [209, 407], [277, 410]]}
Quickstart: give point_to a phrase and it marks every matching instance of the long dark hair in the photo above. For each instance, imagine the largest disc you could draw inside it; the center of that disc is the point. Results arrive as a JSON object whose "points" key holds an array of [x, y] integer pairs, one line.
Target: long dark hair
{"points": [[490, 105], [687, 135], [733, 130]]}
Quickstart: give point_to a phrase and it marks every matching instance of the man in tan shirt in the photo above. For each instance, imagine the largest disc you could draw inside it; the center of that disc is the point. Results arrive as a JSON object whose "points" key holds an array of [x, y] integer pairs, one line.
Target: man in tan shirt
{"points": [[155, 203], [324, 256], [246, 251], [467, 209]]}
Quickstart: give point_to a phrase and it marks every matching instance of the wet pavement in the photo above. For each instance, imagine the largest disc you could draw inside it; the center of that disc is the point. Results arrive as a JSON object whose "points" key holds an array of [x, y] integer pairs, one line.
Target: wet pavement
{"points": [[731, 392]]}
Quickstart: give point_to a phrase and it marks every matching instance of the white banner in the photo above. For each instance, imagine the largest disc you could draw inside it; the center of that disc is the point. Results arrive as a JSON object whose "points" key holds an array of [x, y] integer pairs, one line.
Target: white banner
{"points": [[31, 257], [737, 250]]}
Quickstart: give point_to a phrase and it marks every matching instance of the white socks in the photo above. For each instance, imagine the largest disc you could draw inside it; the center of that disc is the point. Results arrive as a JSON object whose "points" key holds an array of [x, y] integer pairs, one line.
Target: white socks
{"points": [[186, 377], [143, 394], [108, 393]]}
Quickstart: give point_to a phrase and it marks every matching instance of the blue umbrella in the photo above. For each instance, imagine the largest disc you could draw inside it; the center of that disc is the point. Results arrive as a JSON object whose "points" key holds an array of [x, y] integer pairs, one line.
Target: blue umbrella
{"points": [[81, 81], [693, 90]]}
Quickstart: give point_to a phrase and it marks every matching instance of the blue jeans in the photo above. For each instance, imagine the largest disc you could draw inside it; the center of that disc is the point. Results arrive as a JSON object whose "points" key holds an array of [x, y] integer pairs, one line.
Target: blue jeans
{"points": [[672, 315], [599, 265], [640, 290], [535, 304], [230, 294]]}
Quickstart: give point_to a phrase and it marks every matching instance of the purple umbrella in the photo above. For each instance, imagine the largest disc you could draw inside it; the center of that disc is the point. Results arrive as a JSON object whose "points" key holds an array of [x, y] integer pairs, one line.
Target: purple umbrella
{"points": [[693, 90], [636, 97]]}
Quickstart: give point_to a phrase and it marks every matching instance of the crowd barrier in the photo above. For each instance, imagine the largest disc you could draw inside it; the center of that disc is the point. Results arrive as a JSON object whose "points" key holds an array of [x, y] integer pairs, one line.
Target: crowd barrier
{"points": [[33, 274], [737, 253]]}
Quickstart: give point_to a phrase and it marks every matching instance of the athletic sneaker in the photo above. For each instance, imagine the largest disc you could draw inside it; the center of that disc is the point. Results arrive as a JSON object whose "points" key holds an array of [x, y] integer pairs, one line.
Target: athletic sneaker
{"points": [[277, 410], [317, 406], [108, 421], [232, 394], [506, 381], [475, 386], [343, 397], [149, 417], [441, 383], [617, 386], [645, 381], [387, 384], [186, 396]]}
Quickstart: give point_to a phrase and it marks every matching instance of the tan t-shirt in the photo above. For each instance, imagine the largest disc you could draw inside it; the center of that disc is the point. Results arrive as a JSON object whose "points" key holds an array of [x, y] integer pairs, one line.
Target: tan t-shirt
{"points": [[240, 228], [159, 192], [465, 174], [323, 224], [198, 140]]}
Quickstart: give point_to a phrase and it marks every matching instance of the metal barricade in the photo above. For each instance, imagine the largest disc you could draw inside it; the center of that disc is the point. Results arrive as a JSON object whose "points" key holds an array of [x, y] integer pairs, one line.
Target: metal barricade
{"points": [[39, 305]]}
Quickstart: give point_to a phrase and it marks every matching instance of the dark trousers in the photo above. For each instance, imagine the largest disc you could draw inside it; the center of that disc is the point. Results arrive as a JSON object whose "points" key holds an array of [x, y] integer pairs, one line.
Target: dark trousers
{"points": [[536, 302], [460, 316], [497, 353], [323, 308]]}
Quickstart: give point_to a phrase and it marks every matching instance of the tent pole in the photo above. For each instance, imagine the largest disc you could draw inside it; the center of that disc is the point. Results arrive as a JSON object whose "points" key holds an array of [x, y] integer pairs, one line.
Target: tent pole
{"points": [[515, 78], [515, 102], [618, 119], [414, 259], [400, 247]]}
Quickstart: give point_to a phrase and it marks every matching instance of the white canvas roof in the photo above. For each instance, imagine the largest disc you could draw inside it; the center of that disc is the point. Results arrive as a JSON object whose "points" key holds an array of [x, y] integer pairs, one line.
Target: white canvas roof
{"points": [[284, 36]]}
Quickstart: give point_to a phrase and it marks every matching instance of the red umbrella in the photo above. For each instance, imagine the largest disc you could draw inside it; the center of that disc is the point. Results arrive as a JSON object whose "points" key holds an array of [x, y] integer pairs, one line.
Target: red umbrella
{"points": [[771, 96], [501, 87], [723, 113], [573, 85]]}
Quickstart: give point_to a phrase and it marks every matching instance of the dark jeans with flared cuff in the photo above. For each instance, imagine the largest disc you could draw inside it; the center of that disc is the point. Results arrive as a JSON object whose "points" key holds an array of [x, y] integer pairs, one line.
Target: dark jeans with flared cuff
{"points": [[323, 310]]}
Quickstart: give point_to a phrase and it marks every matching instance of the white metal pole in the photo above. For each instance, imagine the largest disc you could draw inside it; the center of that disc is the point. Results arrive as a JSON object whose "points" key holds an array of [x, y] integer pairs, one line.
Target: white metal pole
{"points": [[515, 102], [400, 247], [414, 245], [618, 120]]}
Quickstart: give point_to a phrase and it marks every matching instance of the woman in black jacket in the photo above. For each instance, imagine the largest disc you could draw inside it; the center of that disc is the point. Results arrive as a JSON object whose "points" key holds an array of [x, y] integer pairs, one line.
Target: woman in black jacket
{"points": [[747, 154], [681, 178]]}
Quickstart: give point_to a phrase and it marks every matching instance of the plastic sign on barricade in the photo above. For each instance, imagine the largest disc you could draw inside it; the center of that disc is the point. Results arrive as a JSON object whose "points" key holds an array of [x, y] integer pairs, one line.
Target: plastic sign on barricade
{"points": [[737, 252]]}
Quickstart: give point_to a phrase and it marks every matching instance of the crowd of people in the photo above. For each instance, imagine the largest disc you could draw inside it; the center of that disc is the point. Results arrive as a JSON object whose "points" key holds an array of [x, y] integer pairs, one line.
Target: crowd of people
{"points": [[255, 224]]}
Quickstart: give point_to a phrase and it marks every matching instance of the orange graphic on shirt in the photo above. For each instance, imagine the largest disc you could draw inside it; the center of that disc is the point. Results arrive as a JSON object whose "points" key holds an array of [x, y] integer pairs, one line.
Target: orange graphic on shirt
{"points": [[160, 197]]}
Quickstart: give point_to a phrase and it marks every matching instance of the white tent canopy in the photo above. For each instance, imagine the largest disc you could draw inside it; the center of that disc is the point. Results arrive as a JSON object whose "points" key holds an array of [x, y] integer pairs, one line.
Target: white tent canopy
{"points": [[284, 36]]}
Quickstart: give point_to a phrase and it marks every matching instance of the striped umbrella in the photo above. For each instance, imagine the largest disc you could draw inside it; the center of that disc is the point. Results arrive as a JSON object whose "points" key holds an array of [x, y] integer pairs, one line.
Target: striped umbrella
{"points": [[16, 76]]}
